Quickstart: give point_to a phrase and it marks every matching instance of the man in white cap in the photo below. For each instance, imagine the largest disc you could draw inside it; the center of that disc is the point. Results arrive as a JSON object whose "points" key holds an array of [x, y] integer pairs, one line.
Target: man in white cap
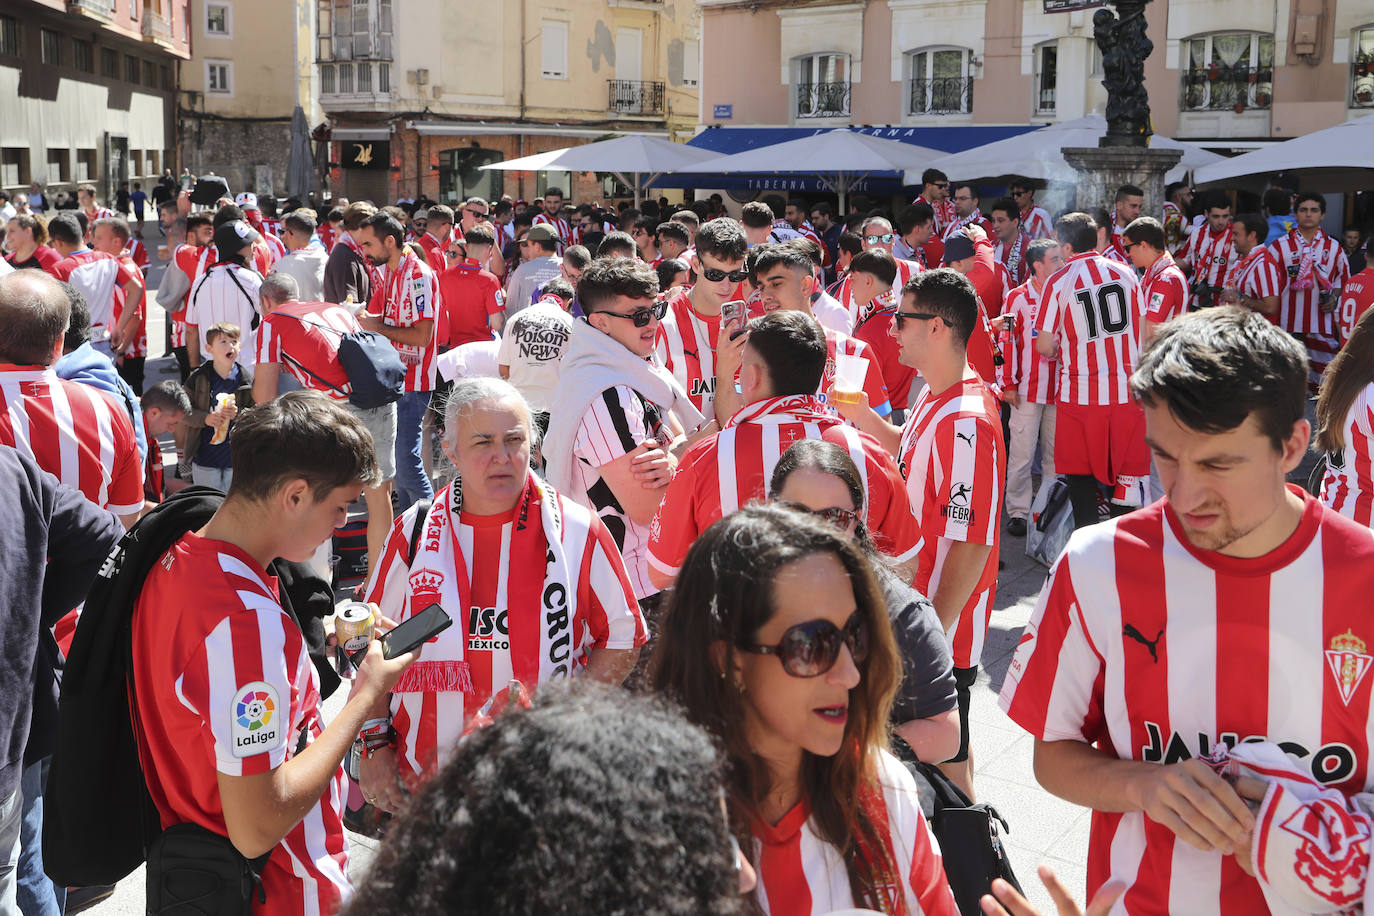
{"points": [[227, 291]]}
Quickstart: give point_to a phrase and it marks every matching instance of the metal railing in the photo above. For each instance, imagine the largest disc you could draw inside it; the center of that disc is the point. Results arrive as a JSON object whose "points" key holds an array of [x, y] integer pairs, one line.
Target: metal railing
{"points": [[823, 100], [1362, 82], [635, 97], [1218, 87], [156, 27], [103, 9], [941, 95]]}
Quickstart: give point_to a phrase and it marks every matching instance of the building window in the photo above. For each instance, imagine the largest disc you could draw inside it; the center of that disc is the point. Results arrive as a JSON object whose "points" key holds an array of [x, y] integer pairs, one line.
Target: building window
{"points": [[1046, 75], [152, 162], [691, 62], [135, 163], [553, 49], [219, 76], [150, 74], [822, 85], [1362, 70], [131, 69], [85, 165], [166, 73], [50, 47], [14, 166], [109, 63], [461, 175], [59, 166], [82, 58], [940, 83], [327, 84], [384, 78], [345, 79], [9, 36], [219, 20], [364, 77], [1230, 70]]}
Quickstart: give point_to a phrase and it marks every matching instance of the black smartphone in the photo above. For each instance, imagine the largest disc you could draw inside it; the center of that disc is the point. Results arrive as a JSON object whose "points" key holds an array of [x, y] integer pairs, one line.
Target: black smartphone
{"points": [[410, 633]]}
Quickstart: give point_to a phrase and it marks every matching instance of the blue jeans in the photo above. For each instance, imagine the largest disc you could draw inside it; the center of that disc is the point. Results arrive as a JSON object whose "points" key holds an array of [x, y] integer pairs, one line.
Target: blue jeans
{"points": [[11, 816], [219, 478], [411, 483], [37, 894]]}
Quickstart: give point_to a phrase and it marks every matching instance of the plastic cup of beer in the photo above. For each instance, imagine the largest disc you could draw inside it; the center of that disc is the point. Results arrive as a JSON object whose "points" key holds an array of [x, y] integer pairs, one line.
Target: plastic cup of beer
{"points": [[850, 372]]}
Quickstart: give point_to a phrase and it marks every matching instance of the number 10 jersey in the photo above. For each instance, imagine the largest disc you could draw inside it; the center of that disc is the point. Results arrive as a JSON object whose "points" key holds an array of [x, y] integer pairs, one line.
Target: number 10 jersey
{"points": [[1093, 307]]}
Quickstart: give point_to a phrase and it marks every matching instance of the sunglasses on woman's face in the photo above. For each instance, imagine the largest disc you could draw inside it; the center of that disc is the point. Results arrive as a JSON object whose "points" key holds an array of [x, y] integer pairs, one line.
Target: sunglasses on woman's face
{"points": [[641, 317], [715, 275], [846, 519], [810, 649]]}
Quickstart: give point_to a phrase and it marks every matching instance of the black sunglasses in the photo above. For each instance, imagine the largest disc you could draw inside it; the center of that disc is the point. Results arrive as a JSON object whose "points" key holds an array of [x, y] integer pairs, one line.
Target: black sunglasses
{"points": [[915, 316], [641, 317], [810, 649], [840, 518], [480, 214], [715, 275], [886, 238]]}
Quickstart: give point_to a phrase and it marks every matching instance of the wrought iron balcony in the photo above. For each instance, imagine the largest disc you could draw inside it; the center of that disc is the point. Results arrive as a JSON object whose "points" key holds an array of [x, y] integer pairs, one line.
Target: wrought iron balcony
{"points": [[1218, 87], [635, 97], [1362, 81], [941, 96], [823, 100]]}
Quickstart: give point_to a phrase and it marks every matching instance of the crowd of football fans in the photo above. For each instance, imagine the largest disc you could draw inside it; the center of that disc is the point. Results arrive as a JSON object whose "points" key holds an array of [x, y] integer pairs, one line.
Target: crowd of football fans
{"points": [[753, 473]]}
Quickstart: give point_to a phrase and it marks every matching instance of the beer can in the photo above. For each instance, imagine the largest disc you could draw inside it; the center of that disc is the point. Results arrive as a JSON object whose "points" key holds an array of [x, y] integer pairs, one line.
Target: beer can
{"points": [[353, 629]]}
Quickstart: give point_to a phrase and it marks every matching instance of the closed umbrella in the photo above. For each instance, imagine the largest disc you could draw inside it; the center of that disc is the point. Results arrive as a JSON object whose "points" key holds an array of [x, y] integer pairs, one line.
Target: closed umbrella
{"points": [[840, 158], [1039, 154], [636, 159], [1339, 158], [300, 165]]}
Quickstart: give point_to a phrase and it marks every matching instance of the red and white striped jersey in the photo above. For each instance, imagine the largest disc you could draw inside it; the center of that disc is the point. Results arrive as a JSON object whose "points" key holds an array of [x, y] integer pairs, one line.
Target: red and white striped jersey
{"points": [[226, 292], [1035, 222], [276, 249], [226, 685], [721, 473], [875, 386], [327, 235], [499, 635], [952, 457], [1091, 306], [1164, 290], [1348, 484], [75, 432], [1115, 252], [1298, 308], [1011, 257], [94, 213], [293, 336], [192, 260], [272, 225], [1210, 254], [1032, 375], [686, 347], [1357, 295], [138, 252], [407, 295], [1157, 651], [559, 224], [138, 342], [800, 874], [944, 212], [1258, 275], [96, 275]]}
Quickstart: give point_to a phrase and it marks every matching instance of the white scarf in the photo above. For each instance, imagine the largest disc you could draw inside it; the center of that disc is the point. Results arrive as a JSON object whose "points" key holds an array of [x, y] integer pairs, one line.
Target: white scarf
{"points": [[439, 573], [593, 363]]}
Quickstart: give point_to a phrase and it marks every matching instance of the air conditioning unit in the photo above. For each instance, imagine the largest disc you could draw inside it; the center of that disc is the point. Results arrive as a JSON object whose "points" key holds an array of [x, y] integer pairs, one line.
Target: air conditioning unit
{"points": [[422, 77], [438, 92]]}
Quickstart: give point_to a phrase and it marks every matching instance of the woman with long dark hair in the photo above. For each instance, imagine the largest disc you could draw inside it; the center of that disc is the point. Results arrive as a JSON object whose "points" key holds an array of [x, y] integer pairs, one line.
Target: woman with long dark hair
{"points": [[1345, 425], [820, 478], [777, 641]]}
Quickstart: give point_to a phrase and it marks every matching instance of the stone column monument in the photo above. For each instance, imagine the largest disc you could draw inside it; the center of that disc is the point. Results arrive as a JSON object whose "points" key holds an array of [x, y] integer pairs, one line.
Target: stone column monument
{"points": [[1123, 156]]}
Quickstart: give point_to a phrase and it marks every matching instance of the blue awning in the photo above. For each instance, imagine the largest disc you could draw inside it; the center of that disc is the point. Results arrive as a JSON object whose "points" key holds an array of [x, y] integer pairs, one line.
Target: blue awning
{"points": [[729, 140]]}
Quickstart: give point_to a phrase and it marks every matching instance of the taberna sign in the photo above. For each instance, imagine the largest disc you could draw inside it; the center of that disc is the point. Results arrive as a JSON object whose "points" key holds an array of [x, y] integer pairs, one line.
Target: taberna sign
{"points": [[366, 154]]}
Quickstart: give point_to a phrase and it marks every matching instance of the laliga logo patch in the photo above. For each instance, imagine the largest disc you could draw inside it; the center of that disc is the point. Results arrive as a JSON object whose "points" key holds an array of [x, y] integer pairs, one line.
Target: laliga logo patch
{"points": [[256, 721], [1349, 663]]}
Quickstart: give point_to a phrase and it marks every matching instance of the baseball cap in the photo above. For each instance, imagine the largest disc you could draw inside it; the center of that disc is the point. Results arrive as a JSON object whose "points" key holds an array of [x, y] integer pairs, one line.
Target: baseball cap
{"points": [[421, 213], [233, 236], [247, 200], [957, 247], [543, 232]]}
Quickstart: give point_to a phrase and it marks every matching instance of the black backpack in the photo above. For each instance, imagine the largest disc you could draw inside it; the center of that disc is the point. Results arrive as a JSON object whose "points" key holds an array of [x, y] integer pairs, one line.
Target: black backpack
{"points": [[375, 372], [99, 820]]}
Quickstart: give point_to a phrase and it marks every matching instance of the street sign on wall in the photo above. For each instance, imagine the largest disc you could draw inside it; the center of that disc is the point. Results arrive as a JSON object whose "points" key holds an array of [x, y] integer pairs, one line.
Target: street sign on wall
{"points": [[722, 112]]}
